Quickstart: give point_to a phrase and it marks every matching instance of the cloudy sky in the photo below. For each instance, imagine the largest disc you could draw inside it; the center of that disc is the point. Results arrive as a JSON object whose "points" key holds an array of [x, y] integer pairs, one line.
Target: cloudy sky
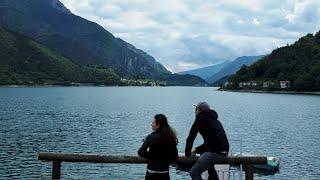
{"points": [[188, 34]]}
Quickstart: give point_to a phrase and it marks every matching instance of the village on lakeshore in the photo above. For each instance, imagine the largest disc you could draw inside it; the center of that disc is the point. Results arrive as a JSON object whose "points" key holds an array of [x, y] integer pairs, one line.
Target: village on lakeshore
{"points": [[258, 85]]}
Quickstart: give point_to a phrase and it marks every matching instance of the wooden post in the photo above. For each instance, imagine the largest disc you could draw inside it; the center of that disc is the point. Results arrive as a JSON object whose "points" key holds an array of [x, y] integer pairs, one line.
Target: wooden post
{"points": [[56, 169], [249, 171]]}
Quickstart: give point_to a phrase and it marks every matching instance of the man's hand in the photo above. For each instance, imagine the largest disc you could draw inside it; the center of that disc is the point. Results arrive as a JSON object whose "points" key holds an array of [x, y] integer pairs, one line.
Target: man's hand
{"points": [[190, 153], [193, 152]]}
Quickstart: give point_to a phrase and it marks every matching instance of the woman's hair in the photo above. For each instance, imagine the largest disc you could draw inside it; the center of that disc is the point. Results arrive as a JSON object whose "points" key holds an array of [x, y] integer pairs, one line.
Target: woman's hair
{"points": [[165, 130]]}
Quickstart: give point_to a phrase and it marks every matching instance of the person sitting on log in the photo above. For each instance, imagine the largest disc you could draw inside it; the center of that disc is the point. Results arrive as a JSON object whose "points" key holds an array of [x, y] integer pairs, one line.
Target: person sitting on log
{"points": [[215, 147]]}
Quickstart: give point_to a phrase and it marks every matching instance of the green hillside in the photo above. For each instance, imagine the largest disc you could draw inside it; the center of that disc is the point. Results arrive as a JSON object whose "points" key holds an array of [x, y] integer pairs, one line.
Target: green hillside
{"points": [[24, 61], [84, 42], [298, 63]]}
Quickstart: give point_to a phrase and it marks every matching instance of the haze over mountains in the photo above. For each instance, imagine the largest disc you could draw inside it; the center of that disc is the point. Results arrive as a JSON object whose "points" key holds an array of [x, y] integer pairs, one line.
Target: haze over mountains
{"points": [[233, 67], [221, 71], [85, 43], [206, 72]]}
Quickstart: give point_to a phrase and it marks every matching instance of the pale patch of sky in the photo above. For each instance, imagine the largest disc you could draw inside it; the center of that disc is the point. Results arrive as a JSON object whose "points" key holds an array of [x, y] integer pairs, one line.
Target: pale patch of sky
{"points": [[188, 65], [187, 34]]}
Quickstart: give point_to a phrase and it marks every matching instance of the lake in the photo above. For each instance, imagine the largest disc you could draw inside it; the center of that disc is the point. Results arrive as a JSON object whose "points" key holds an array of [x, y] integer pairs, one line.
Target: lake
{"points": [[114, 120]]}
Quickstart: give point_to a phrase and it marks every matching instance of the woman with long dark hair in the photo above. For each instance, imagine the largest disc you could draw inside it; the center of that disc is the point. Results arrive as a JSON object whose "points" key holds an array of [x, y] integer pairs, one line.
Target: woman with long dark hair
{"points": [[160, 148]]}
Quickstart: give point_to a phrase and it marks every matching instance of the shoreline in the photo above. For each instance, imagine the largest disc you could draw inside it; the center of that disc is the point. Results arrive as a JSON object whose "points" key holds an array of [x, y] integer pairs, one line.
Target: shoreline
{"points": [[24, 86], [44, 86], [87, 85], [273, 92]]}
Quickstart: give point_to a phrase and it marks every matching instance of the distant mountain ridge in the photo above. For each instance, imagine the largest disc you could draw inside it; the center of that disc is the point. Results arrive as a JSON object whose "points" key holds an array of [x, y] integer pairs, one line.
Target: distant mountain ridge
{"points": [[233, 67], [206, 72], [218, 73]]}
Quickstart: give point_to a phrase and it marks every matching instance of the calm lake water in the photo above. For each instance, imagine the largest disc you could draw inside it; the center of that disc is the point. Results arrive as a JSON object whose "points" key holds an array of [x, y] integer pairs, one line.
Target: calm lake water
{"points": [[114, 120]]}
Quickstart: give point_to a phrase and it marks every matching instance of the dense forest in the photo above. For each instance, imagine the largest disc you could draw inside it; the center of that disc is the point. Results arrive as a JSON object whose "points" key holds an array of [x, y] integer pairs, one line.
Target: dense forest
{"points": [[298, 63], [26, 62]]}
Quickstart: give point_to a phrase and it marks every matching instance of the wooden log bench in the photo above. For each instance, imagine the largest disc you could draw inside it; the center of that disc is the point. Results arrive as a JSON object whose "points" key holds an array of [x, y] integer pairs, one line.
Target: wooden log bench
{"points": [[58, 158]]}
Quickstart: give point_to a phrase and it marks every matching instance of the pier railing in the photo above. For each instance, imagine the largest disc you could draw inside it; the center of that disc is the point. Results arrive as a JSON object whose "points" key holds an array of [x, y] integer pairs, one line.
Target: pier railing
{"points": [[58, 158]]}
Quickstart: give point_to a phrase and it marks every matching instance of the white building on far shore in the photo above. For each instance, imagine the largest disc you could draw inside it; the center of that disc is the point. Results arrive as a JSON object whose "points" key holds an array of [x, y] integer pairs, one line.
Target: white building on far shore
{"points": [[228, 84], [248, 84], [285, 84]]}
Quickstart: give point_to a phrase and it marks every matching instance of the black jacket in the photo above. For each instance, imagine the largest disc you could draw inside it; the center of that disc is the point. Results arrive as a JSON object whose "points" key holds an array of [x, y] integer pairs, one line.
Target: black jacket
{"points": [[160, 152], [210, 128]]}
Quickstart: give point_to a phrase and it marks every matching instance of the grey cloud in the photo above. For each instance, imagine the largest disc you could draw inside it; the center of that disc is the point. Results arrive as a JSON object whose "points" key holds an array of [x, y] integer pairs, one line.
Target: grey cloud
{"points": [[205, 32]]}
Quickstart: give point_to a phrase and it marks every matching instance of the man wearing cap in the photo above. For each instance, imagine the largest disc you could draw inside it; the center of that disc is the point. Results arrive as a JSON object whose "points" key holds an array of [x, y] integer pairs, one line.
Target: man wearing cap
{"points": [[215, 147]]}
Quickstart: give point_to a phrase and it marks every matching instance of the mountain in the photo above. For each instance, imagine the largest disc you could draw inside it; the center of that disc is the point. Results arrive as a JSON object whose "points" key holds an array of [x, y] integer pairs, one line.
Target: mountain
{"points": [[233, 67], [84, 42], [221, 81], [151, 60], [24, 61], [206, 72], [298, 63], [183, 80]]}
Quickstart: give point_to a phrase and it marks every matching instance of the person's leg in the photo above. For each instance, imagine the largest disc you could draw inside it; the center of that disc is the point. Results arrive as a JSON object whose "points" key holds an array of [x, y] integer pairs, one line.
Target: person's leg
{"points": [[148, 176], [213, 174], [203, 163]]}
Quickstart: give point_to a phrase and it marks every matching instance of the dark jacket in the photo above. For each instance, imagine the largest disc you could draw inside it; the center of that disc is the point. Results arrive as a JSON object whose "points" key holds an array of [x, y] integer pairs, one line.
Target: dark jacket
{"points": [[160, 152], [210, 128]]}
